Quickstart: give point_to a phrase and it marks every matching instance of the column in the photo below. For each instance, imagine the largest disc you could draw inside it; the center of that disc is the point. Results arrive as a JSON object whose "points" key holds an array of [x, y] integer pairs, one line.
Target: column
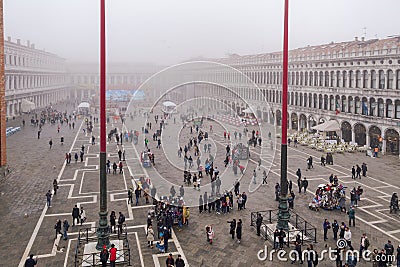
{"points": [[367, 139], [353, 135]]}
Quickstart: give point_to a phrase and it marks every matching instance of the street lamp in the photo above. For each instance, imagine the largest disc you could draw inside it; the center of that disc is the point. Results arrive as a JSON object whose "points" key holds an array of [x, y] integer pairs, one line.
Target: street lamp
{"points": [[284, 215], [103, 231]]}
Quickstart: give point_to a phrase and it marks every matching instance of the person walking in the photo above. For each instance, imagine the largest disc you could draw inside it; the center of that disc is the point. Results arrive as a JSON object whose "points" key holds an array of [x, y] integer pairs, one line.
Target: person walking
{"points": [[113, 219], [31, 262], [130, 196], [254, 177], [232, 226], [55, 186], [150, 236], [353, 173], [57, 227], [364, 169], [201, 203], [239, 230], [335, 229], [326, 225], [347, 236], [48, 198], [299, 181], [358, 171], [115, 168], [113, 255], [364, 243], [51, 143], [170, 260], [179, 262], [304, 184], [75, 215], [121, 220], [65, 229], [104, 256], [120, 167], [352, 216], [82, 215], [259, 221]]}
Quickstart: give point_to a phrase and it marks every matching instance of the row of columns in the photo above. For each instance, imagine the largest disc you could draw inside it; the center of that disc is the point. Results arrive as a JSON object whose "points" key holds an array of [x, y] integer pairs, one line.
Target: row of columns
{"points": [[41, 100], [15, 82]]}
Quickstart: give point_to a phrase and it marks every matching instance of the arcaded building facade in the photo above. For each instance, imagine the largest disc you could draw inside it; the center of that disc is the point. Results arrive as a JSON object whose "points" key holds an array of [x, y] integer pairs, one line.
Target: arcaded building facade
{"points": [[356, 83], [32, 75]]}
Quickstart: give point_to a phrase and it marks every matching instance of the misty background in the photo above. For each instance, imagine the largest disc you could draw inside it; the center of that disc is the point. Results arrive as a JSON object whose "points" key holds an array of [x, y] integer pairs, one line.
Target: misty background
{"points": [[165, 32]]}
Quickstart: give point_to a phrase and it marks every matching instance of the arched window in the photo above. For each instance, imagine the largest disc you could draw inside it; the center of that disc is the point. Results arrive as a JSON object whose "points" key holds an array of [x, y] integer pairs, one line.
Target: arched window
{"points": [[357, 103], [397, 109], [306, 78], [351, 79], [381, 79], [297, 78], [389, 108], [365, 78], [332, 78], [358, 79], [389, 79], [301, 78], [344, 79], [311, 79], [381, 108], [315, 78], [326, 79], [321, 78], [350, 105], [373, 79], [398, 79], [338, 79], [290, 78]]}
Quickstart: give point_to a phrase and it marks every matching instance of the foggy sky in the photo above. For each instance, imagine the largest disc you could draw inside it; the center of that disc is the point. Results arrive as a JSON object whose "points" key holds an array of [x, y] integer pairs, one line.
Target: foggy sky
{"points": [[171, 31]]}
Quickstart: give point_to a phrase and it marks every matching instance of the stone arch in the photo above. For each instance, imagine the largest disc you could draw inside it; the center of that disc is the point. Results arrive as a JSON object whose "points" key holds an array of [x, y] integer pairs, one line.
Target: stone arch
{"points": [[265, 114], [392, 141], [346, 131], [278, 118], [294, 121], [302, 122], [360, 134], [311, 122], [374, 133]]}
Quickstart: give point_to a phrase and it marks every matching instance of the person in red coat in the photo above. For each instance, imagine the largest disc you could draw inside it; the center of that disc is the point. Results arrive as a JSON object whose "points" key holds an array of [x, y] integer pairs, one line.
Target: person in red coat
{"points": [[113, 255]]}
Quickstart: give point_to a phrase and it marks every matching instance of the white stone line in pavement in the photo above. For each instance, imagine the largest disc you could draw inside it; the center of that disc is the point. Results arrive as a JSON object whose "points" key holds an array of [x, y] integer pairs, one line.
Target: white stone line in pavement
{"points": [[67, 252], [81, 183], [394, 231], [140, 249], [39, 223]]}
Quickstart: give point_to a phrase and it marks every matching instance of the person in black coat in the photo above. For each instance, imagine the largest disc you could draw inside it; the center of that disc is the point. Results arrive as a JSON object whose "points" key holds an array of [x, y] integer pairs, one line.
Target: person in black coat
{"points": [[232, 228], [31, 262], [239, 230], [179, 262], [258, 223], [75, 215]]}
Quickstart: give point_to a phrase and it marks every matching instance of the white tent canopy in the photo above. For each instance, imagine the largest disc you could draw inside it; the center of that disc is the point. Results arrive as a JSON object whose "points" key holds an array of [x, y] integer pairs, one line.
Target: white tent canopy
{"points": [[27, 106], [329, 126], [247, 110], [84, 105], [169, 104]]}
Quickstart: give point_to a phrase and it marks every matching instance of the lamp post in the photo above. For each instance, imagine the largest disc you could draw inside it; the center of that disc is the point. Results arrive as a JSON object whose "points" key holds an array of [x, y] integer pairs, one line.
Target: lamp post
{"points": [[284, 215], [103, 230]]}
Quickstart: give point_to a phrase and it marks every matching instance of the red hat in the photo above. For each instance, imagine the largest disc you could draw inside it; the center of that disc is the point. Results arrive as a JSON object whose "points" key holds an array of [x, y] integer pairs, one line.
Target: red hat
{"points": [[104, 247]]}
